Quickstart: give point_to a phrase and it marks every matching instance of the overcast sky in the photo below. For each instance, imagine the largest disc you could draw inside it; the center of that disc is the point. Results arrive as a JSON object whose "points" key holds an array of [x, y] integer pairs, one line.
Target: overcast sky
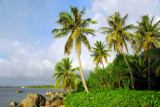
{"points": [[28, 56]]}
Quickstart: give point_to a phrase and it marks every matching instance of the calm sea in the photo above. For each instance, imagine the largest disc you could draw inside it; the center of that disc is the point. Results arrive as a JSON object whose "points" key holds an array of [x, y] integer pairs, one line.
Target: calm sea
{"points": [[8, 95]]}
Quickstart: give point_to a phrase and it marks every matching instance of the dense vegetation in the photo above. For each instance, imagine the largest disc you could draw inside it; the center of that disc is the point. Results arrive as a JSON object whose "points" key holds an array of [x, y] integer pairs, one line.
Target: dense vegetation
{"points": [[111, 85], [116, 74], [114, 98]]}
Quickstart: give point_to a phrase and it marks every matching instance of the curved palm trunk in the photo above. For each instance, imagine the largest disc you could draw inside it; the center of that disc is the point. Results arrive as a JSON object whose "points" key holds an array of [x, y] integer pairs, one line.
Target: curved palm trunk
{"points": [[131, 74], [82, 76]]}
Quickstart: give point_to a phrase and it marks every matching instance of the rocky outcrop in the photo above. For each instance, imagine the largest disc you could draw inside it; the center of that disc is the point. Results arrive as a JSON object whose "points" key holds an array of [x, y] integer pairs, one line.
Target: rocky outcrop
{"points": [[57, 99], [33, 100], [36, 100], [12, 104], [56, 95], [18, 91]]}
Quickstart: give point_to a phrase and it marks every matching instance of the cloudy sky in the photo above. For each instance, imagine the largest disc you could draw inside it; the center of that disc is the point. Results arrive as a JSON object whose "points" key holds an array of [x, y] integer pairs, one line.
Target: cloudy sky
{"points": [[28, 56]]}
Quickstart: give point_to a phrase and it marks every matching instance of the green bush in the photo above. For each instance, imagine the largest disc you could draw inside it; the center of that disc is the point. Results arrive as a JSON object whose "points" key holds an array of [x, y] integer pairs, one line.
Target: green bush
{"points": [[114, 98], [100, 79]]}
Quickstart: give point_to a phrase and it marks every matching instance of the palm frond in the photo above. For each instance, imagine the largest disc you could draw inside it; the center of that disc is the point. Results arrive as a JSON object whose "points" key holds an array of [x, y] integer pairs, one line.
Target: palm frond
{"points": [[69, 45]]}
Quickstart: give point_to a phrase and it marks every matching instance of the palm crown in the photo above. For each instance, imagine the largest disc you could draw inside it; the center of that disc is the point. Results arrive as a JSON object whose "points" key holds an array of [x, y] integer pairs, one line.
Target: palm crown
{"points": [[117, 31], [147, 34], [74, 25], [99, 52], [65, 76]]}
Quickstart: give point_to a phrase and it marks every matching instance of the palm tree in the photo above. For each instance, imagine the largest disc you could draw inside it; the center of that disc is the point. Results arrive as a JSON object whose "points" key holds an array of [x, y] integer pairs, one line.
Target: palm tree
{"points": [[99, 53], [155, 56], [147, 37], [118, 36], [65, 76], [75, 26]]}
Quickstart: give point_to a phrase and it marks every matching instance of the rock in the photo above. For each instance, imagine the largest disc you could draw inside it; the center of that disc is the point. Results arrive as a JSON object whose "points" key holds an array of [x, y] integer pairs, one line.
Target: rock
{"points": [[57, 99], [12, 104], [53, 104], [19, 91], [64, 98], [49, 94], [20, 105], [23, 101], [47, 103], [56, 94], [33, 100]]}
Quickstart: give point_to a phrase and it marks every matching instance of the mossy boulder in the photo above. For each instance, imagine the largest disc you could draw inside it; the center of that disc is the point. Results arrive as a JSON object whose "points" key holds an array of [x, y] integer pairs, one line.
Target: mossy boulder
{"points": [[33, 100]]}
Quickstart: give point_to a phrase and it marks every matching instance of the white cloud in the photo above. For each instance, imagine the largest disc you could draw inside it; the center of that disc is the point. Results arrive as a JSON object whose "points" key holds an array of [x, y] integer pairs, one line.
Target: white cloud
{"points": [[37, 42], [16, 44], [24, 63], [135, 8]]}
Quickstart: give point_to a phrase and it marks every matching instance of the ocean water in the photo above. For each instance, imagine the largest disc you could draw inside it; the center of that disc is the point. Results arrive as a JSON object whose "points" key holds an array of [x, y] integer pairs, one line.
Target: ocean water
{"points": [[8, 95]]}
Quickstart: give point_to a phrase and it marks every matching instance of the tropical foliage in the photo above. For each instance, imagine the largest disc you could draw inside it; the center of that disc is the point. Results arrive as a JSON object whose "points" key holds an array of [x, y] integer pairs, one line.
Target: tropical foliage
{"points": [[147, 34], [103, 83], [155, 59], [114, 98], [65, 76], [118, 36], [99, 53], [147, 37], [76, 27]]}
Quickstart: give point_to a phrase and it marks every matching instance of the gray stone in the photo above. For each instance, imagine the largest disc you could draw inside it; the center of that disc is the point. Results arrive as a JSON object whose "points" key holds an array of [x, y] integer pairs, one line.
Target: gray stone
{"points": [[34, 100], [18, 91], [12, 104]]}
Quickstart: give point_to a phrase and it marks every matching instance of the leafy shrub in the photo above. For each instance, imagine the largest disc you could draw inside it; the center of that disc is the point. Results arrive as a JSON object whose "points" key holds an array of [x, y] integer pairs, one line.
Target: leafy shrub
{"points": [[100, 79], [114, 98]]}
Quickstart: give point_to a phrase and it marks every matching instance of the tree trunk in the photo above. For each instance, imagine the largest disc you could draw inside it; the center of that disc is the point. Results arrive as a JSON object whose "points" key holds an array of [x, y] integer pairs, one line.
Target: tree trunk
{"points": [[131, 74], [102, 64], [82, 76], [119, 83], [69, 90], [110, 79], [117, 52], [149, 73]]}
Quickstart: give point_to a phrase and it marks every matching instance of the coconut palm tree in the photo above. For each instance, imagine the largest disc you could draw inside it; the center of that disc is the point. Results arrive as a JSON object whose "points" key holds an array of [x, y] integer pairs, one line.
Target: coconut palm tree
{"points": [[99, 53], [147, 37], [118, 36], [65, 76], [147, 34], [74, 26]]}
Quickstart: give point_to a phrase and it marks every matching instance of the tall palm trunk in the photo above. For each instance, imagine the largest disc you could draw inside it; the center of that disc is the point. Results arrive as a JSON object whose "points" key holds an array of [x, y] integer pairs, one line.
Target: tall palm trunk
{"points": [[131, 74], [149, 73], [82, 76], [149, 70], [69, 90]]}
